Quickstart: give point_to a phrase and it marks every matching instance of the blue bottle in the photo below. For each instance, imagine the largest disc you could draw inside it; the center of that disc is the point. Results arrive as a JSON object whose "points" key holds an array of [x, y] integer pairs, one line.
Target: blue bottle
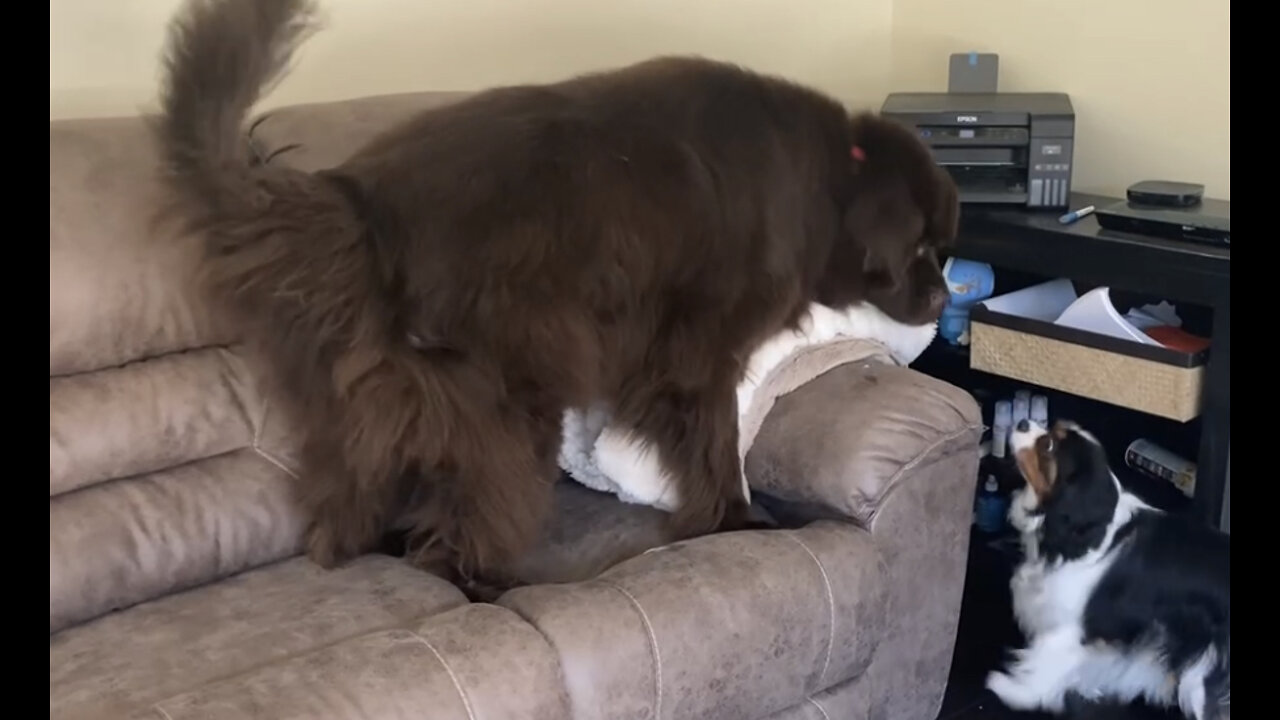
{"points": [[992, 507]]}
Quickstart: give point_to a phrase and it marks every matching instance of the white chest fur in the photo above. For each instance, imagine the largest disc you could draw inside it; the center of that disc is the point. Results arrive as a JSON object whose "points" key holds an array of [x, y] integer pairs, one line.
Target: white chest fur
{"points": [[1050, 595]]}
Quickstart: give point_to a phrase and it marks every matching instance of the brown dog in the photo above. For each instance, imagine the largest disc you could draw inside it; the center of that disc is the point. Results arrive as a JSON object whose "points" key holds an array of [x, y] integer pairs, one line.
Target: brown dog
{"points": [[434, 304]]}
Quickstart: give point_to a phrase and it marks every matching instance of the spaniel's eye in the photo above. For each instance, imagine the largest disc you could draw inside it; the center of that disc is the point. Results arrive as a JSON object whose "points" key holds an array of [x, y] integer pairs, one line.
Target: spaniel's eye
{"points": [[921, 250]]}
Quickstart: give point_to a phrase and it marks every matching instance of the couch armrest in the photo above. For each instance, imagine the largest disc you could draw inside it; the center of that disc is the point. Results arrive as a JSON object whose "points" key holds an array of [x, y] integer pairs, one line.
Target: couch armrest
{"points": [[731, 626], [896, 452], [843, 443]]}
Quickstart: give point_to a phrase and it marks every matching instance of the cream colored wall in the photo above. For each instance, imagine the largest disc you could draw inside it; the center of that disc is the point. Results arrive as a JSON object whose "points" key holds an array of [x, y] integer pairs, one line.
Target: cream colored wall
{"points": [[1150, 79], [103, 53]]}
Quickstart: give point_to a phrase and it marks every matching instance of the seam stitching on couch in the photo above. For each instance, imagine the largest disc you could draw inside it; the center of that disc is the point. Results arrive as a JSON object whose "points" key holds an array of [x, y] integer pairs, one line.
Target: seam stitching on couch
{"points": [[820, 708], [911, 464], [653, 645], [554, 647], [257, 444], [135, 361], [466, 701], [267, 456], [261, 422], [831, 605]]}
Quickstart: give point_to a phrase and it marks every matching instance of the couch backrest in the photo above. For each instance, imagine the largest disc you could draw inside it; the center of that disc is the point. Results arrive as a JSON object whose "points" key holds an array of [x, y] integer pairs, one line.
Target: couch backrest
{"points": [[167, 467], [316, 136]]}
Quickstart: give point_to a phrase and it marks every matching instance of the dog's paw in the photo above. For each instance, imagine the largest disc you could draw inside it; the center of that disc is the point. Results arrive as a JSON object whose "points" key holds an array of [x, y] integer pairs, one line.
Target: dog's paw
{"points": [[426, 553], [325, 548], [1010, 692], [487, 590], [636, 472], [736, 516]]}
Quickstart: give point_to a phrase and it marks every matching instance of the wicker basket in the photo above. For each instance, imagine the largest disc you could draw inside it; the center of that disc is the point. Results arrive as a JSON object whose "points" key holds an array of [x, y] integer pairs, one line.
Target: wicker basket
{"points": [[1167, 389]]}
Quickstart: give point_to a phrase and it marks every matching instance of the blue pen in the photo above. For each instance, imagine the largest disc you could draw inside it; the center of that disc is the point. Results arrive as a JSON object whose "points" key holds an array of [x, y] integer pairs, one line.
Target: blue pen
{"points": [[1075, 215]]}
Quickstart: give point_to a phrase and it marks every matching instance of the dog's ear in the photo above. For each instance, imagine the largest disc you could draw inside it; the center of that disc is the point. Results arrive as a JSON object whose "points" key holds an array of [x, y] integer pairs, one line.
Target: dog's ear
{"points": [[885, 223], [1037, 467], [1082, 502], [1075, 522], [902, 203]]}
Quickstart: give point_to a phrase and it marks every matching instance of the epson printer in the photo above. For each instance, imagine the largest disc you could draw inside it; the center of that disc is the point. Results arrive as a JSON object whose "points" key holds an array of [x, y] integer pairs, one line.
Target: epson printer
{"points": [[1012, 148], [1001, 148]]}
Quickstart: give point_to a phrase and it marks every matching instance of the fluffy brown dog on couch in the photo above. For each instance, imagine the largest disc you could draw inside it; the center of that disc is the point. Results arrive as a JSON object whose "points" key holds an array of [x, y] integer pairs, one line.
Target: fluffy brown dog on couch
{"points": [[434, 304]]}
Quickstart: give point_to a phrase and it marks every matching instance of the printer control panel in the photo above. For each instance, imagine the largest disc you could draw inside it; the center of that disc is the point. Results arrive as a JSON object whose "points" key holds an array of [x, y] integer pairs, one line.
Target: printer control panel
{"points": [[1049, 172], [974, 136]]}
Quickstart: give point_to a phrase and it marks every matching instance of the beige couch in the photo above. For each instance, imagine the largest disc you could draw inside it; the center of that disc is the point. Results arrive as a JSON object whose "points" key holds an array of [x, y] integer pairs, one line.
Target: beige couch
{"points": [[176, 590]]}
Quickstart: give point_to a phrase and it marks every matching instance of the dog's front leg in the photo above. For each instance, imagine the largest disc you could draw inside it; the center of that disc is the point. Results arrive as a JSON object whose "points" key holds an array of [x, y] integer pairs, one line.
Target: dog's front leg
{"points": [[695, 433], [1044, 672]]}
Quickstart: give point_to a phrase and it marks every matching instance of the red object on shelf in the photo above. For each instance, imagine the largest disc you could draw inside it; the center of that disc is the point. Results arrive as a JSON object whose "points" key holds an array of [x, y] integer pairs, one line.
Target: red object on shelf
{"points": [[1177, 339]]}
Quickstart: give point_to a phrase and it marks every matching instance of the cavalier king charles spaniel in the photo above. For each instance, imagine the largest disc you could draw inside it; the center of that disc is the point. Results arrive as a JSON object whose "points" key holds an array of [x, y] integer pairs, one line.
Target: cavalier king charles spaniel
{"points": [[1118, 601]]}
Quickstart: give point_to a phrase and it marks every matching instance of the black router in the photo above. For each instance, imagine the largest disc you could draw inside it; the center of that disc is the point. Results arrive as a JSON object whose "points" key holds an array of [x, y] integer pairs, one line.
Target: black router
{"points": [[1165, 193], [1170, 210]]}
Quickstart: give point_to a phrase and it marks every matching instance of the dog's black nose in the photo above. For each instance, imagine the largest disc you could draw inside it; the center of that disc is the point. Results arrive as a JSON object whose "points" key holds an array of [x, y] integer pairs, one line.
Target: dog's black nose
{"points": [[1024, 425]]}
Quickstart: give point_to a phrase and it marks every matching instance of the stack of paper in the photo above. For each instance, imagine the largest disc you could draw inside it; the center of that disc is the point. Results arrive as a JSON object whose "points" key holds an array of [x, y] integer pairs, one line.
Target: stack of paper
{"points": [[1056, 302]]}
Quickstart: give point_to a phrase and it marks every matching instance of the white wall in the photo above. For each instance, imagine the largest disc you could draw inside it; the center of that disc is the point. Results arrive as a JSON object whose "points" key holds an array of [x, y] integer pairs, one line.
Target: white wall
{"points": [[1150, 79], [103, 53]]}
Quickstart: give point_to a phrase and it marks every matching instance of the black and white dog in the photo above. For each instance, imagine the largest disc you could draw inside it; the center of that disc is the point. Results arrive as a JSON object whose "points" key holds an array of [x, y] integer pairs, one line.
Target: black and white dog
{"points": [[1117, 600]]}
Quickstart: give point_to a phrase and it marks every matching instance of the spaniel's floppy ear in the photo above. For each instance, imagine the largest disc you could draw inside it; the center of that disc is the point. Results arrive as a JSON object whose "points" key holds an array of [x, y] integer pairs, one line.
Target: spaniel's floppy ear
{"points": [[1036, 465], [1082, 504]]}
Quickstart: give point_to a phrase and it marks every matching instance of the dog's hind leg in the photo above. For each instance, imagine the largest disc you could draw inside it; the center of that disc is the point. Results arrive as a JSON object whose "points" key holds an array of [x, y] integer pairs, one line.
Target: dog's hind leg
{"points": [[349, 507], [489, 502], [389, 421]]}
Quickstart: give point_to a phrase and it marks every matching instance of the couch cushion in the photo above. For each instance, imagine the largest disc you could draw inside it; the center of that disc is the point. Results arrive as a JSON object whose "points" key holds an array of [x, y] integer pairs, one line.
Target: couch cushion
{"points": [[124, 542], [589, 532], [471, 663], [849, 699], [149, 415], [118, 289], [128, 661]]}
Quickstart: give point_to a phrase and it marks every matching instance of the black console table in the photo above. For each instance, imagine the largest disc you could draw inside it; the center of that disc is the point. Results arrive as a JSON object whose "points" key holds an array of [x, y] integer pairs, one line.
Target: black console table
{"points": [[1033, 241]]}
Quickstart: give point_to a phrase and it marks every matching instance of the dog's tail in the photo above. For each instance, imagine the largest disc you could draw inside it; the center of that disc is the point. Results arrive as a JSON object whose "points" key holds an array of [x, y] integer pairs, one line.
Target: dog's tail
{"points": [[285, 248], [222, 55], [293, 257]]}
